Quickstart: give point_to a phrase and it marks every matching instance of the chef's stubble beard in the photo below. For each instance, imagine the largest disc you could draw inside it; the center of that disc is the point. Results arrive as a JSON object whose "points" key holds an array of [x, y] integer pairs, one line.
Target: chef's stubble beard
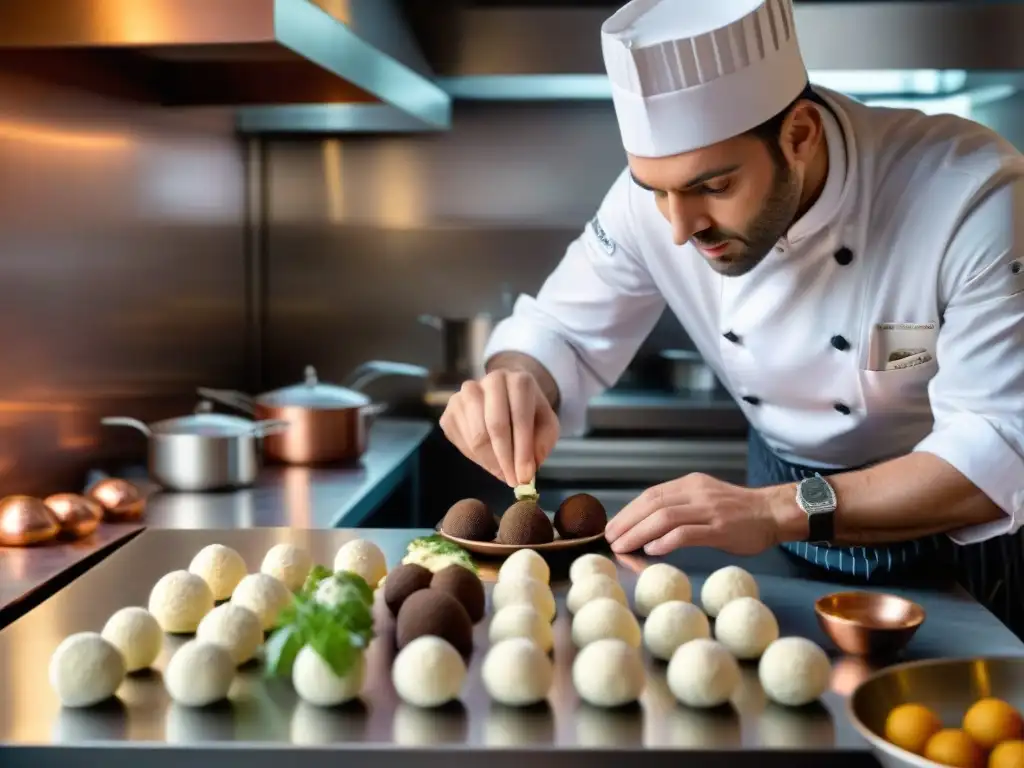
{"points": [[766, 228]]}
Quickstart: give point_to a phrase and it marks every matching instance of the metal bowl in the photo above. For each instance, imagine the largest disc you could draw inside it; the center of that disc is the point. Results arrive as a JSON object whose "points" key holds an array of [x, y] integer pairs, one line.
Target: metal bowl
{"points": [[947, 686], [868, 623]]}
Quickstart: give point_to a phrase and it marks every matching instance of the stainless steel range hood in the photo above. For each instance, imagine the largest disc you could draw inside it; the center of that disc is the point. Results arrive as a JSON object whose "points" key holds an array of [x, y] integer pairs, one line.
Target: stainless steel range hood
{"points": [[356, 55], [534, 53]]}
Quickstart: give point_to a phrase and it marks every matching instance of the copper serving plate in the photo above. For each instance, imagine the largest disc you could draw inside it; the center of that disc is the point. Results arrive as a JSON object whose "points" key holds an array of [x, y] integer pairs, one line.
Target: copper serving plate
{"points": [[495, 548], [946, 686], [868, 623]]}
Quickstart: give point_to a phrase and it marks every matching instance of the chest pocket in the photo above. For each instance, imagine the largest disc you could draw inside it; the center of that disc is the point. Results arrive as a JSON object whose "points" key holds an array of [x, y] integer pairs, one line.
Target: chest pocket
{"points": [[898, 391]]}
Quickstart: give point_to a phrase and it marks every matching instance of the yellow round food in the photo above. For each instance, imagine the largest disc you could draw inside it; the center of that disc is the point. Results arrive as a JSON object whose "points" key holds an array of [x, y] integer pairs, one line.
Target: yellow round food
{"points": [[1009, 754], [992, 721], [909, 726], [954, 747]]}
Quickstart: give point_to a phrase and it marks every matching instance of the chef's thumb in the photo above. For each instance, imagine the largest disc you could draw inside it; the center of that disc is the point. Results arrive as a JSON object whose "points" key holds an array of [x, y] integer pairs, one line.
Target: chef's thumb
{"points": [[545, 433]]}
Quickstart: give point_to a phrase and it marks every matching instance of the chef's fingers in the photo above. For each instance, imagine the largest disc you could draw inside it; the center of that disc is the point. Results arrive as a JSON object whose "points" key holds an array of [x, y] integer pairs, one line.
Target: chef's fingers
{"points": [[546, 430], [635, 511], [522, 398], [474, 430], [657, 524], [449, 424], [498, 422], [681, 536]]}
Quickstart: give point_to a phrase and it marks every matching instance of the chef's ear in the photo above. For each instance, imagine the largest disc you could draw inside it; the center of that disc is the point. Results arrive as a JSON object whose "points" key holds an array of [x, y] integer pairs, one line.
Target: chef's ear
{"points": [[802, 133]]}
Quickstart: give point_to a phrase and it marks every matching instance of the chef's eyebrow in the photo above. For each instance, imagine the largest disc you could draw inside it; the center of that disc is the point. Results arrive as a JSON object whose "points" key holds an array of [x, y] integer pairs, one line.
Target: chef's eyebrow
{"points": [[703, 178]]}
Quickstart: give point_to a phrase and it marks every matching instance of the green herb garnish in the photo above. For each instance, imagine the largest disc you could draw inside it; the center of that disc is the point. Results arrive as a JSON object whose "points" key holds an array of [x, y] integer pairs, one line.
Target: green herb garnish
{"points": [[332, 613], [438, 546]]}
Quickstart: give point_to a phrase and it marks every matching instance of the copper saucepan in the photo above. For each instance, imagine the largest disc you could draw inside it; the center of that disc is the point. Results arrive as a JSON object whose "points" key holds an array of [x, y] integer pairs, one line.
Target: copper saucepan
{"points": [[327, 423]]}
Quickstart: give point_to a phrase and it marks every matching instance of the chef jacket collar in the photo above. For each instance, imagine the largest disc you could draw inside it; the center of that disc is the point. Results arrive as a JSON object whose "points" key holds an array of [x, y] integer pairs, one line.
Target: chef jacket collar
{"points": [[827, 207]]}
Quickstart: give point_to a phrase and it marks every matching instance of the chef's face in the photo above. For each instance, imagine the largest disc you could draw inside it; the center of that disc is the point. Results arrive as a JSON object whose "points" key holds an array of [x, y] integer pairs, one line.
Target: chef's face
{"points": [[734, 200]]}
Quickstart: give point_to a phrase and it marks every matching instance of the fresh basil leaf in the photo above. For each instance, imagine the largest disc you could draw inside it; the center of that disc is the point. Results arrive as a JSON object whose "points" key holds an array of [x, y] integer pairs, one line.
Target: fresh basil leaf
{"points": [[356, 582], [281, 649], [336, 649], [316, 575]]}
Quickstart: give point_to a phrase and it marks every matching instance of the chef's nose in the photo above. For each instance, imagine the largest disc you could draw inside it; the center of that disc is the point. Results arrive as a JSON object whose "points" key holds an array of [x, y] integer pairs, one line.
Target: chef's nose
{"points": [[685, 216]]}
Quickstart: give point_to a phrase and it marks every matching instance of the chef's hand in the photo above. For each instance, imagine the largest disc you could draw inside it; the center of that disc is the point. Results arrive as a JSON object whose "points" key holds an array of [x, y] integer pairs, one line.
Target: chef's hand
{"points": [[695, 511], [504, 423]]}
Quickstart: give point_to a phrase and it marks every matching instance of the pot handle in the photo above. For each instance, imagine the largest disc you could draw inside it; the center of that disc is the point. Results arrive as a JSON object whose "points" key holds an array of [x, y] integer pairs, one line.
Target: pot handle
{"points": [[372, 411], [127, 421], [376, 369], [269, 427], [432, 320], [229, 397]]}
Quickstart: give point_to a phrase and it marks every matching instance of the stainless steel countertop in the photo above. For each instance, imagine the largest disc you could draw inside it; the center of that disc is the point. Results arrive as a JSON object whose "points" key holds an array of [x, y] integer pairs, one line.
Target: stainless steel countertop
{"points": [[297, 497], [26, 570], [264, 718]]}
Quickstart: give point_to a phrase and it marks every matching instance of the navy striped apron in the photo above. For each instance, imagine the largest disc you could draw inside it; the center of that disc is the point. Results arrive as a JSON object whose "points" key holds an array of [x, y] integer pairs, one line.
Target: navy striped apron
{"points": [[992, 571]]}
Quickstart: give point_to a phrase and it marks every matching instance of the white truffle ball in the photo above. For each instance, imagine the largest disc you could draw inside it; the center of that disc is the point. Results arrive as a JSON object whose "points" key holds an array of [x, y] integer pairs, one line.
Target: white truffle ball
{"points": [[608, 673], [364, 558], [724, 585], [659, 583], [521, 620], [179, 600], [525, 562], [233, 627], [591, 564], [746, 626], [85, 669], [428, 672], [605, 618], [264, 595], [288, 564], [220, 567], [592, 587], [517, 590], [517, 672], [199, 673], [671, 624], [316, 682], [794, 671], [137, 635], [702, 673]]}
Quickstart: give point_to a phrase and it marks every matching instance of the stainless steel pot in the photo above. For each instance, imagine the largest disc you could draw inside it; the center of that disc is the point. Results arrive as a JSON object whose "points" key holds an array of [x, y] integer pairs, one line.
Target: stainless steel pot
{"points": [[464, 340], [687, 371], [205, 451]]}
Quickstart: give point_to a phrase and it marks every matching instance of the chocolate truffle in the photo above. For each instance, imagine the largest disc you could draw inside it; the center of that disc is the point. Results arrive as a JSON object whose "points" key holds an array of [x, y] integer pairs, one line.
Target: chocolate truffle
{"points": [[433, 612], [525, 523], [470, 519], [580, 515], [402, 582], [465, 586]]}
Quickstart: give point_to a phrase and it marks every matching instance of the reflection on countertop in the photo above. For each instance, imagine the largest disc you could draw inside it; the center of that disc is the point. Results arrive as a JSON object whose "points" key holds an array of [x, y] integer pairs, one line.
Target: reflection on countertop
{"points": [[26, 571], [298, 497]]}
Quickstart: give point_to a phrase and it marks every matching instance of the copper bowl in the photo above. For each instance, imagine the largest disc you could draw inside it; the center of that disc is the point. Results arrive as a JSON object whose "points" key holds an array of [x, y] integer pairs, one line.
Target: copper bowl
{"points": [[26, 520], [868, 623], [79, 516], [121, 501]]}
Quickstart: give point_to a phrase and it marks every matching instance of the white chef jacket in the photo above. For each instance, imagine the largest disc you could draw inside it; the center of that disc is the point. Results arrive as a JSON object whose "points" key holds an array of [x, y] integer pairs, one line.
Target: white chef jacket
{"points": [[921, 220]]}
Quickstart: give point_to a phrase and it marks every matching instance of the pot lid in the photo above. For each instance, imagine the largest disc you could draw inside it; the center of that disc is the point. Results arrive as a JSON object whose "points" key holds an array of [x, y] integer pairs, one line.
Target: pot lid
{"points": [[205, 423], [312, 394]]}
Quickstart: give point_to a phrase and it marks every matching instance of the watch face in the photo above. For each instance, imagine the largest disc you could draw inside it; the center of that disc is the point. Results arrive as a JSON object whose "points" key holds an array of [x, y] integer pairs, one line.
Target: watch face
{"points": [[815, 492]]}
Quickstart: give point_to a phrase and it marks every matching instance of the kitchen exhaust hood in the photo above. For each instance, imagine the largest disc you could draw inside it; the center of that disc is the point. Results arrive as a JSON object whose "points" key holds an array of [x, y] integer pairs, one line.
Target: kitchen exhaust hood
{"points": [[919, 49], [271, 58]]}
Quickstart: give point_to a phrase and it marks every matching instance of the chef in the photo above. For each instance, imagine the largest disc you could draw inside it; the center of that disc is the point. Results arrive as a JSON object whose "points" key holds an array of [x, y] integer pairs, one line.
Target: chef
{"points": [[854, 275]]}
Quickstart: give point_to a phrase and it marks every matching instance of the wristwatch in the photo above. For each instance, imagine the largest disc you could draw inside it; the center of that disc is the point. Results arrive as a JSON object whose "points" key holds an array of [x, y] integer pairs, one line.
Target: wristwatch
{"points": [[817, 499]]}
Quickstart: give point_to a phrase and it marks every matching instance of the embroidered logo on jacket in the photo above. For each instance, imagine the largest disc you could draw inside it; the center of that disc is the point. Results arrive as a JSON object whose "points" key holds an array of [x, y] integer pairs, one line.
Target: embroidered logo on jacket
{"points": [[602, 237]]}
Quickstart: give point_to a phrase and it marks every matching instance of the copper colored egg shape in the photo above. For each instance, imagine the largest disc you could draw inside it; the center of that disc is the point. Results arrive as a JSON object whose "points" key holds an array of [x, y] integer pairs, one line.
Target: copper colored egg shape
{"points": [[79, 516], [25, 520], [121, 501]]}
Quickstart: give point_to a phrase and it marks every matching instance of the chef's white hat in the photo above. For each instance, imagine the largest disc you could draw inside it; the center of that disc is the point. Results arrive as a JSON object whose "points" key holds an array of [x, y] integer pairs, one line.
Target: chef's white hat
{"points": [[689, 73]]}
